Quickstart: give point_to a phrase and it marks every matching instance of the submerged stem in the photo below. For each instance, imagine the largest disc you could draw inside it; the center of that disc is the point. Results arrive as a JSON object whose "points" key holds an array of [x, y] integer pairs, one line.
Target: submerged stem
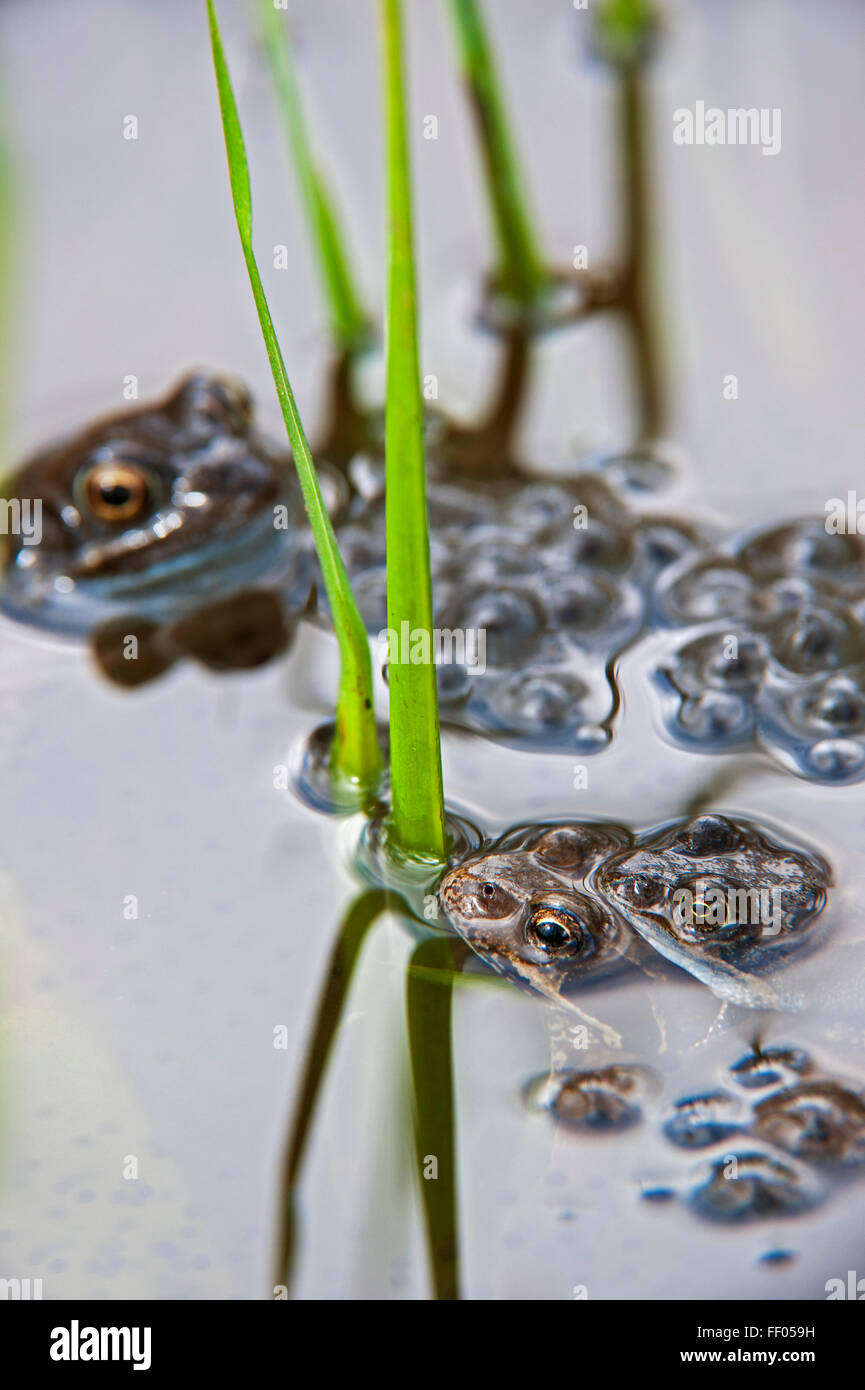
{"points": [[416, 775], [429, 997], [360, 916]]}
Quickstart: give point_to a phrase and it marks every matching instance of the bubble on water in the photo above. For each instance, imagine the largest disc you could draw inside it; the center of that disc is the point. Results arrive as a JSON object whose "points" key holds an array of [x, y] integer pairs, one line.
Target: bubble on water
{"points": [[562, 301], [820, 1121], [312, 777], [699, 1121], [751, 1186]]}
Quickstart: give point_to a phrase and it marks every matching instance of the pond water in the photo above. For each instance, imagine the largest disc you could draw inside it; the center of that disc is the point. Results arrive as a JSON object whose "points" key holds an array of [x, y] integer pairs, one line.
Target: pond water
{"points": [[169, 906]]}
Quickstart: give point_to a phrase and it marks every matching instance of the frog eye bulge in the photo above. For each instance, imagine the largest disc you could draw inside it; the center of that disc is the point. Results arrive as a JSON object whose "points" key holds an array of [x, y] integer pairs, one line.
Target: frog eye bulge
{"points": [[116, 490], [495, 901]]}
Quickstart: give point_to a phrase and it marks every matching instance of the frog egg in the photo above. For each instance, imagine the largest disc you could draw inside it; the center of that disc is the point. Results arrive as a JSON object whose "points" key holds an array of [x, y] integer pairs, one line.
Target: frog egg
{"points": [[806, 548], [751, 1186], [512, 620], [540, 507], [837, 760], [606, 1099], [454, 506], [370, 591], [366, 476], [490, 555], [663, 542], [817, 1121], [599, 545], [361, 548], [540, 700], [699, 1121], [638, 470], [454, 683], [590, 610], [815, 726], [769, 1066], [710, 589], [729, 661], [715, 719], [816, 639]]}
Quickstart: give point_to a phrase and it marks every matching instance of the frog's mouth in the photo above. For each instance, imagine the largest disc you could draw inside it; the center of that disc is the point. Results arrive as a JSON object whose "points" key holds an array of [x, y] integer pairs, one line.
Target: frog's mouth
{"points": [[76, 600]]}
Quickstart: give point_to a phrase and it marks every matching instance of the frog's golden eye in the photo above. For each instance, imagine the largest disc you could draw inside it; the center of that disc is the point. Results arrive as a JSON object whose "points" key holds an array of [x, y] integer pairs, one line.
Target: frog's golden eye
{"points": [[117, 491], [560, 931]]}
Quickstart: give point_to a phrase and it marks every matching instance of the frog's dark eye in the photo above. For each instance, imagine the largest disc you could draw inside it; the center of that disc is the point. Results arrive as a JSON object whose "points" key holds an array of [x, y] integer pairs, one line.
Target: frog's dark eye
{"points": [[549, 932], [558, 931], [116, 490]]}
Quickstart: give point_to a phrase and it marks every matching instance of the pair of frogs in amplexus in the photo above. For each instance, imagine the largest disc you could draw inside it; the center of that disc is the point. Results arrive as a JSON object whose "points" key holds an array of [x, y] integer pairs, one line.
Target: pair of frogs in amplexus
{"points": [[162, 525]]}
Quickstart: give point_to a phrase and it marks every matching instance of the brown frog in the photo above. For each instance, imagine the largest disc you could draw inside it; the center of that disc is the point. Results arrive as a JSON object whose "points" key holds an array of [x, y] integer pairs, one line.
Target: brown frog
{"points": [[719, 898], [527, 905], [171, 528]]}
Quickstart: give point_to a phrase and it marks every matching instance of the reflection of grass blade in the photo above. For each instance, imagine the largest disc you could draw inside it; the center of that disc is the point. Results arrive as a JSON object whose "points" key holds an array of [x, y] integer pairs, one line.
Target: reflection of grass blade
{"points": [[348, 321], [357, 753], [521, 271], [355, 925], [8, 286], [416, 775], [429, 993]]}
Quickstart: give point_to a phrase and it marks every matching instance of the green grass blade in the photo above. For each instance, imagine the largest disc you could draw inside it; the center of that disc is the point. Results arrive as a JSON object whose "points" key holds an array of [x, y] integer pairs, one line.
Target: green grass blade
{"points": [[416, 775], [521, 271], [429, 996], [349, 324], [357, 754], [363, 912]]}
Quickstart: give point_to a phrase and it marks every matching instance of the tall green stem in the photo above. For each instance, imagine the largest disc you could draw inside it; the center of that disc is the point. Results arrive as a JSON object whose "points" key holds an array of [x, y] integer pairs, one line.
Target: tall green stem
{"points": [[349, 323], [356, 754], [521, 271], [416, 775]]}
